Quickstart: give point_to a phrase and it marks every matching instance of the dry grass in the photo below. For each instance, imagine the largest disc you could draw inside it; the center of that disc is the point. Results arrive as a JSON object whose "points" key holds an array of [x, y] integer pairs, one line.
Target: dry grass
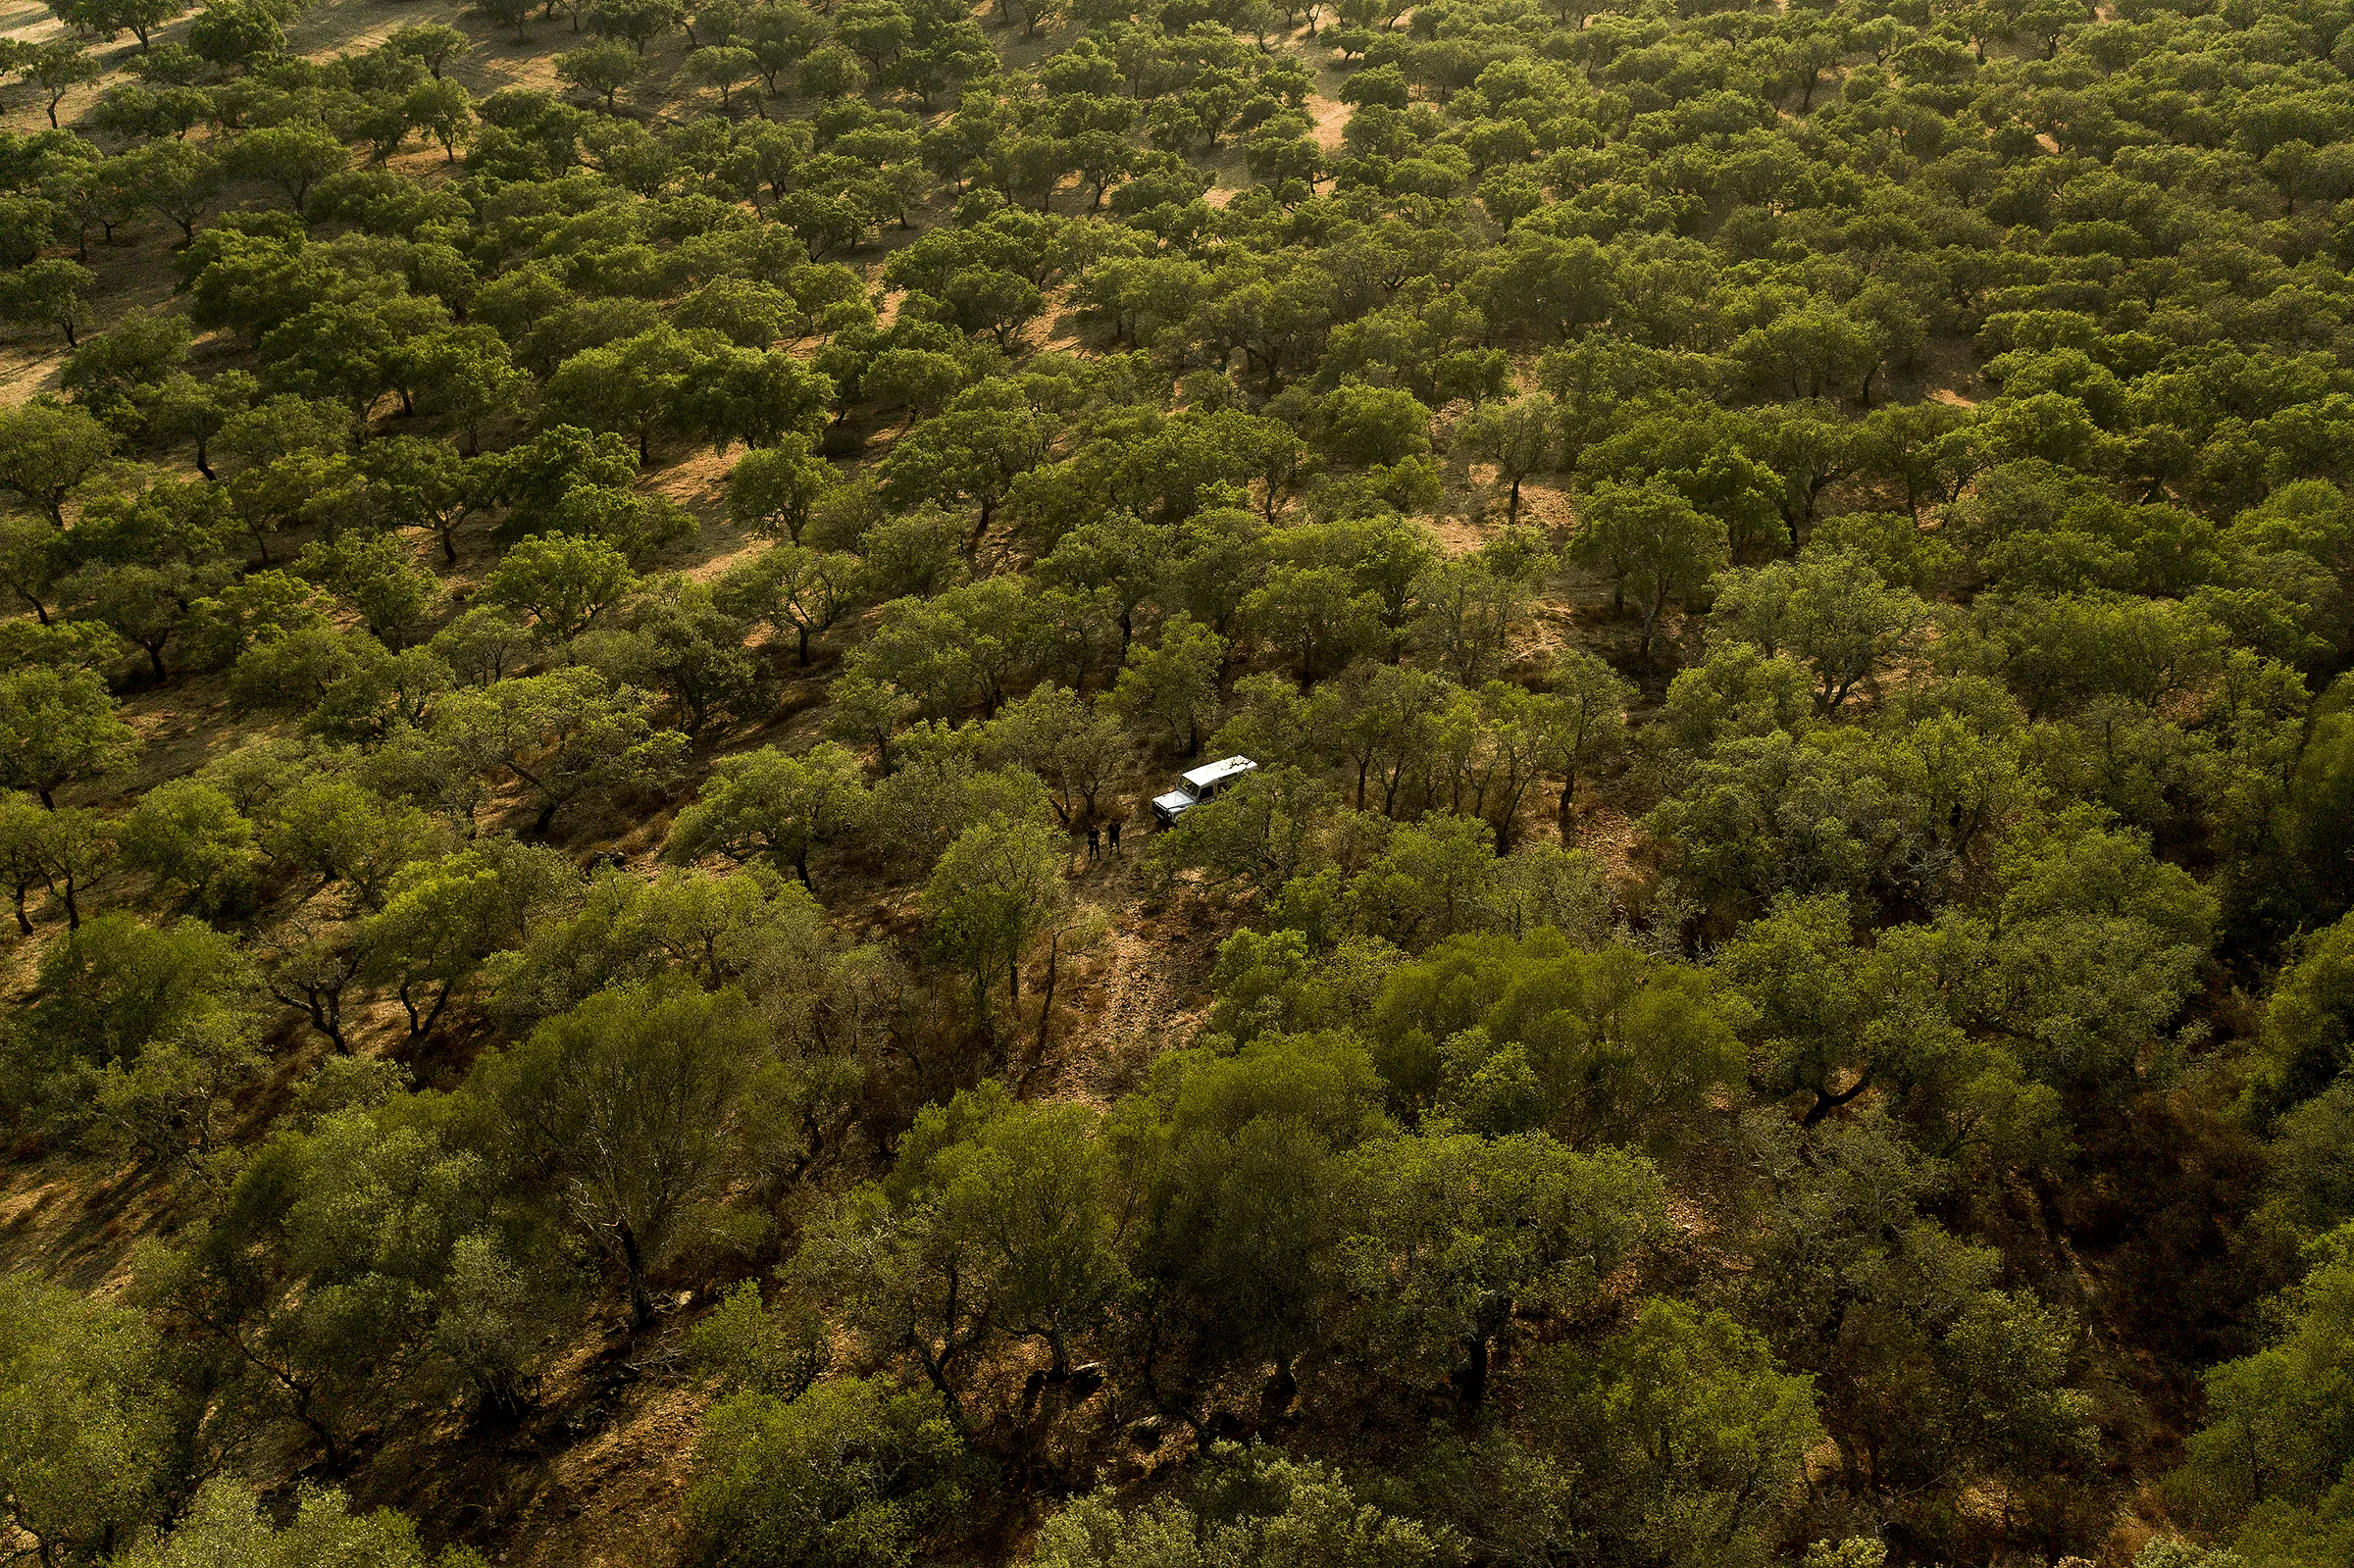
{"points": [[30, 21]]}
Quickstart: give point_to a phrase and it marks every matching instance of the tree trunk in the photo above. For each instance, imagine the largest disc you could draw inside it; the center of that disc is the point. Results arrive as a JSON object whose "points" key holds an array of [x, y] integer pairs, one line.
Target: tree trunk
{"points": [[1045, 1014], [328, 1019], [420, 1028], [1826, 1102], [325, 1010], [1472, 1379], [642, 1300]]}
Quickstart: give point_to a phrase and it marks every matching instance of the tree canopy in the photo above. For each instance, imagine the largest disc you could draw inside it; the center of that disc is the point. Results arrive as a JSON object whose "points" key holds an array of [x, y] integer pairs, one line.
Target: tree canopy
{"points": [[601, 607]]}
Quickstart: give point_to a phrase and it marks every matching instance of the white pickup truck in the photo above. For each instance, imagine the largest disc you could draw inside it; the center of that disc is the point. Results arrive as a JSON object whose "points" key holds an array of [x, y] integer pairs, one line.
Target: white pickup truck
{"points": [[1199, 784]]}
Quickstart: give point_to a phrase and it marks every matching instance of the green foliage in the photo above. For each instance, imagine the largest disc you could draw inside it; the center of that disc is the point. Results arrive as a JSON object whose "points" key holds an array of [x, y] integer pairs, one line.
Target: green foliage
{"points": [[1452, 1238], [442, 919], [1651, 542], [850, 1475], [775, 1350], [1687, 1440], [2316, 807], [58, 727], [1254, 1507], [145, 1036], [771, 489], [50, 291], [360, 1267], [624, 1101], [997, 1229], [794, 589], [1959, 401], [2309, 1023], [1171, 685], [1366, 426], [994, 893], [1520, 1034], [227, 1526], [191, 838], [1924, 1367], [46, 449], [561, 581], [766, 803], [676, 639], [236, 35], [1827, 610], [2274, 1449], [116, 986], [88, 1420]]}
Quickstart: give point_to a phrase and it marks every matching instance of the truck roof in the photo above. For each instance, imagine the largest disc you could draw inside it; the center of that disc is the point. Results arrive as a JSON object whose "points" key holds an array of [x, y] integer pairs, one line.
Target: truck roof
{"points": [[1218, 772]]}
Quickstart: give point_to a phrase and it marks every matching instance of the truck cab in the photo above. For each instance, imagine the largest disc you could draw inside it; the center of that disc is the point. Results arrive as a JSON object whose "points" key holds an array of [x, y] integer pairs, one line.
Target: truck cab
{"points": [[1197, 784]]}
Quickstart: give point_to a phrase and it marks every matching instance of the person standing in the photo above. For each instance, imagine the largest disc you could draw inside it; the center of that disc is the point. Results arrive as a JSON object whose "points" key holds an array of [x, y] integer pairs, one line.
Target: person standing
{"points": [[1094, 838], [1115, 835]]}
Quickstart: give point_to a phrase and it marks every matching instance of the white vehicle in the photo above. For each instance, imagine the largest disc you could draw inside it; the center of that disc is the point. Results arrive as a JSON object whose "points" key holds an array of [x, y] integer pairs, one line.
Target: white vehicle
{"points": [[1201, 784]]}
